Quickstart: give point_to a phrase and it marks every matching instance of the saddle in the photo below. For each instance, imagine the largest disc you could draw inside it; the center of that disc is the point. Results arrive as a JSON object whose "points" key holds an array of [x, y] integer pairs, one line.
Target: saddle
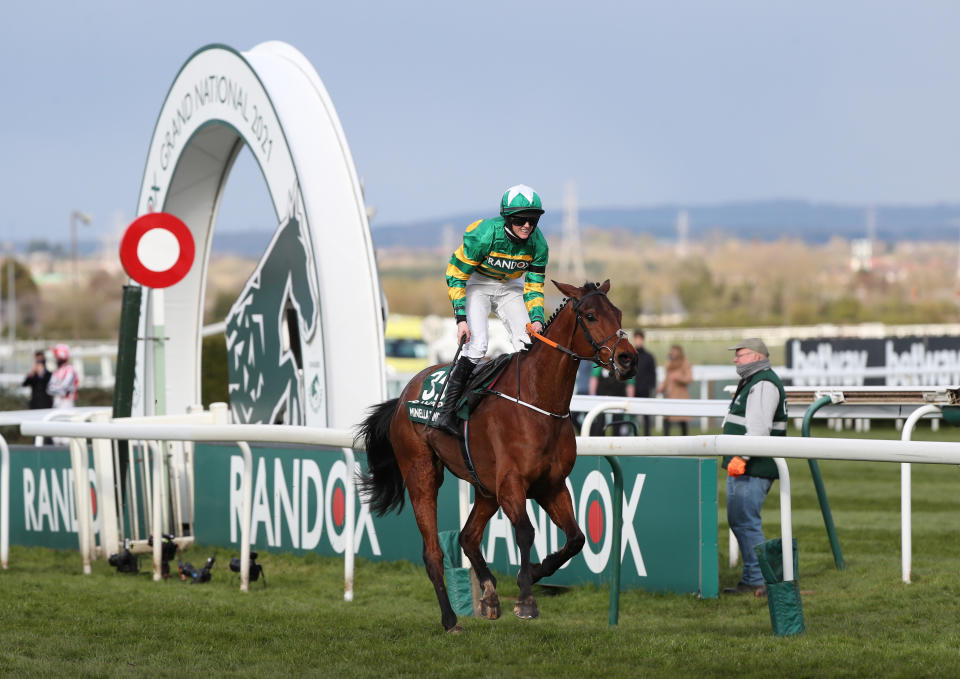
{"points": [[484, 375], [478, 386]]}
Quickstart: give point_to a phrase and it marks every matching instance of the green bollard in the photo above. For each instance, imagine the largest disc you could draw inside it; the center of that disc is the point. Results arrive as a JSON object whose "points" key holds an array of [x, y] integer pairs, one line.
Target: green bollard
{"points": [[457, 577], [818, 484], [617, 537], [783, 597]]}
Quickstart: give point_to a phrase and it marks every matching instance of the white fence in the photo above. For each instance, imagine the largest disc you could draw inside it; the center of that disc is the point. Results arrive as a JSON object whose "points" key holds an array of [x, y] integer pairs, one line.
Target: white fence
{"points": [[241, 434], [903, 451]]}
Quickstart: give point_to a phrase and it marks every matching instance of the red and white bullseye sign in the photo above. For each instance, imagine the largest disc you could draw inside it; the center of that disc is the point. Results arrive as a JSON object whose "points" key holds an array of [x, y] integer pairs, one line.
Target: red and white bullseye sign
{"points": [[157, 250]]}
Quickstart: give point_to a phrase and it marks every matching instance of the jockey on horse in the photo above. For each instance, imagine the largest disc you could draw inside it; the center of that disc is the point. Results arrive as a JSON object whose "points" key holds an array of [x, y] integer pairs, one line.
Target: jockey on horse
{"points": [[484, 275]]}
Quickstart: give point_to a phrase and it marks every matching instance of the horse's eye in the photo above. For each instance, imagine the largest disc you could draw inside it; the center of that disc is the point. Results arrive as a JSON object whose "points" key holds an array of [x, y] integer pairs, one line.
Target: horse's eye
{"points": [[590, 317]]}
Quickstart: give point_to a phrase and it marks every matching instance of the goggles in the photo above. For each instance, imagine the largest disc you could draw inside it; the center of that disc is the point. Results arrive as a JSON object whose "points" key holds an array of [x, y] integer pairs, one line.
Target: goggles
{"points": [[518, 220]]}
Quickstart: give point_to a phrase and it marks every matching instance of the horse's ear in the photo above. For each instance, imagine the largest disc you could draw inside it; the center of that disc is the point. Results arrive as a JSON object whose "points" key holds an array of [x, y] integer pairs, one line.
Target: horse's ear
{"points": [[605, 286], [567, 289]]}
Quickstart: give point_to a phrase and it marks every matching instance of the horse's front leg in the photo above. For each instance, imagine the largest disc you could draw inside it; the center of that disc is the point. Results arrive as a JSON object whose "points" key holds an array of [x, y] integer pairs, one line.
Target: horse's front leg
{"points": [[559, 507], [470, 537], [512, 495]]}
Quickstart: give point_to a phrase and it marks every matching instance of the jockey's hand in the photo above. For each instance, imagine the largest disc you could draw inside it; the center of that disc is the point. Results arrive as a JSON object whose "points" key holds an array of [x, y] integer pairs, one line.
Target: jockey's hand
{"points": [[536, 327], [463, 333], [737, 466]]}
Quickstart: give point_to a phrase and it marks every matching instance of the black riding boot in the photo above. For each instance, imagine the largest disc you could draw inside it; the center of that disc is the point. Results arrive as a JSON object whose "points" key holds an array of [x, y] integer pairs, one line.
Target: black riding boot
{"points": [[456, 381]]}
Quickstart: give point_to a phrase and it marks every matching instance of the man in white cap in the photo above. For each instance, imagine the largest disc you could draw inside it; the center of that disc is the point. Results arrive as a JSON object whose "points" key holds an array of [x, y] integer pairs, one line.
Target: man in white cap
{"points": [[758, 408]]}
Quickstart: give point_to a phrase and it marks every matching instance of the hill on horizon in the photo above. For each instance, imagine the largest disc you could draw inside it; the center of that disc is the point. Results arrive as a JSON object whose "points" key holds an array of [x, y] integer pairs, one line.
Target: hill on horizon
{"points": [[749, 220]]}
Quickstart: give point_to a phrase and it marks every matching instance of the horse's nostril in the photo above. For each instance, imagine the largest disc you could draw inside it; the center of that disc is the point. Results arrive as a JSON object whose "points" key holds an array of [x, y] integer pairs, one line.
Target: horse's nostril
{"points": [[626, 360]]}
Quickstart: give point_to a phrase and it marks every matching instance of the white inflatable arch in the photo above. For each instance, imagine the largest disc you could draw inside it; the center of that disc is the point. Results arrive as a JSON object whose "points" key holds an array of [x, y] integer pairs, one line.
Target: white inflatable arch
{"points": [[271, 100]]}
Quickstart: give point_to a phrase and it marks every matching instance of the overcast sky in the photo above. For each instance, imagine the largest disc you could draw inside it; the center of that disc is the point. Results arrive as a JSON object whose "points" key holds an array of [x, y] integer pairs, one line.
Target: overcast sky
{"points": [[445, 104]]}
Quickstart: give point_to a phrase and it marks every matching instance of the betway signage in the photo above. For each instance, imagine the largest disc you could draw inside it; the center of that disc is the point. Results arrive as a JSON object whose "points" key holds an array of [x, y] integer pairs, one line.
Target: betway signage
{"points": [[669, 540], [907, 361]]}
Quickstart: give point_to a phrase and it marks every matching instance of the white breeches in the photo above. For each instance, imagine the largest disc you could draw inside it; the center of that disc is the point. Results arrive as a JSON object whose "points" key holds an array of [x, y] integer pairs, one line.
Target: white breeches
{"points": [[505, 299], [63, 402]]}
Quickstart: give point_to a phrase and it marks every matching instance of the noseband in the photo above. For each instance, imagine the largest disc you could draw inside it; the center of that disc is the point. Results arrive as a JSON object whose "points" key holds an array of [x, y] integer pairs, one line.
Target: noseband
{"points": [[600, 349]]}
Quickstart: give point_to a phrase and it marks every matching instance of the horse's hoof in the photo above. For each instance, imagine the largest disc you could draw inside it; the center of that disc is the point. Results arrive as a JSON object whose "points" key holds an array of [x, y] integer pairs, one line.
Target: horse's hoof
{"points": [[490, 610], [526, 610], [456, 629]]}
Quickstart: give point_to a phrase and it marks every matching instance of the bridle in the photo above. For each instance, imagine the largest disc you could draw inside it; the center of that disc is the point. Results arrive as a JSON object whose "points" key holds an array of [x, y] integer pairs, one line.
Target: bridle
{"points": [[600, 349]]}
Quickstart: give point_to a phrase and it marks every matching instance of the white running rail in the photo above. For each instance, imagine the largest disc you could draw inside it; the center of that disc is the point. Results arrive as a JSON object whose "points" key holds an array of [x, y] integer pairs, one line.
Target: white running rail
{"points": [[874, 450], [906, 495], [786, 516], [242, 435]]}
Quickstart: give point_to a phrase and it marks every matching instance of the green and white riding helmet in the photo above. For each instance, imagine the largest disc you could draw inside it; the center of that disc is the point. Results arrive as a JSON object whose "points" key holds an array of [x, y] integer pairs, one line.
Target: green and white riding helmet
{"points": [[520, 198]]}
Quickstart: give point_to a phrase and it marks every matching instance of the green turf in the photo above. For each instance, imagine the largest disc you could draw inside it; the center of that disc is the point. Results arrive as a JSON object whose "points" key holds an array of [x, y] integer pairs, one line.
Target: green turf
{"points": [[861, 622]]}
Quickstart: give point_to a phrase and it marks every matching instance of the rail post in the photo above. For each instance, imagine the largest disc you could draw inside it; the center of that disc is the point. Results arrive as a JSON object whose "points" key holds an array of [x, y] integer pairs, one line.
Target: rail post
{"points": [[818, 480], [246, 515], [4, 504], [906, 495], [617, 509], [617, 537]]}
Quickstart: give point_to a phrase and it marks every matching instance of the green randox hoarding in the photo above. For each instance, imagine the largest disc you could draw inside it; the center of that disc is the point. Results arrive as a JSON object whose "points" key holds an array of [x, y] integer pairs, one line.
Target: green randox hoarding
{"points": [[669, 540], [42, 508]]}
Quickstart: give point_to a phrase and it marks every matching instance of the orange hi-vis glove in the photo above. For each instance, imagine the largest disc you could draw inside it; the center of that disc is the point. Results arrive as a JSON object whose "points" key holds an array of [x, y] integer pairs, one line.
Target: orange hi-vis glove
{"points": [[736, 467]]}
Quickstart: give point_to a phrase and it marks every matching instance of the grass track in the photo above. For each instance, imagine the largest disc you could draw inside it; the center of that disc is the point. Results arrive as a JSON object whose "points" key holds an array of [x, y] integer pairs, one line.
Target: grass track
{"points": [[861, 622]]}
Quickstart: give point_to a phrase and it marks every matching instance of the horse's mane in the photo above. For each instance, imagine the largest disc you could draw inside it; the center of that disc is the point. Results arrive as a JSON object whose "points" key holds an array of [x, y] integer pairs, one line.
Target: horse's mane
{"points": [[587, 287]]}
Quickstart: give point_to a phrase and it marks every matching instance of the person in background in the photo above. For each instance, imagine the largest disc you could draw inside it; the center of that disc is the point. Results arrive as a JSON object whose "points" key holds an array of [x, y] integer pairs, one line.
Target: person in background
{"points": [[37, 379], [64, 382], [499, 267], [758, 408], [582, 386], [604, 383], [676, 384], [584, 372], [645, 383]]}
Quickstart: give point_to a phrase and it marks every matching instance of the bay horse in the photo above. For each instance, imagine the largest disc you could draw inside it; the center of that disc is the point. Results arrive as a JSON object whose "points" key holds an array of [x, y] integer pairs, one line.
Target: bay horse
{"points": [[521, 441]]}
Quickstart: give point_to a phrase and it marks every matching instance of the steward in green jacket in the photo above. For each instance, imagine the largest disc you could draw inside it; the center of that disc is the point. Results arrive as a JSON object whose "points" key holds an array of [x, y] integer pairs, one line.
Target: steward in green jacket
{"points": [[758, 408]]}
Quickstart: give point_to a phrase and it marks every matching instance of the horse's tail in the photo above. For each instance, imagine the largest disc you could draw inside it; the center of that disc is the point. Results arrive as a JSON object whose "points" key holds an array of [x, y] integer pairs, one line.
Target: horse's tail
{"points": [[382, 483]]}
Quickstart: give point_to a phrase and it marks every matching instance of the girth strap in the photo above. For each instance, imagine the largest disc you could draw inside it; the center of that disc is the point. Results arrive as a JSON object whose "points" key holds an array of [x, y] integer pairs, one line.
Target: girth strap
{"points": [[528, 405], [468, 461]]}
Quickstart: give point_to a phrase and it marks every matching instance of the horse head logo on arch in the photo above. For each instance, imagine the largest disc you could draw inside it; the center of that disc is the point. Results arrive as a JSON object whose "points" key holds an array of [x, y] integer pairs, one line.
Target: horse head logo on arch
{"points": [[277, 307], [295, 326]]}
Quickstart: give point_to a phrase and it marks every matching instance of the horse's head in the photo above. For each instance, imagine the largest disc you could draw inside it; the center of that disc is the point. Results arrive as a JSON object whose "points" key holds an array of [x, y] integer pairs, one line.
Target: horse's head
{"points": [[598, 333], [291, 245]]}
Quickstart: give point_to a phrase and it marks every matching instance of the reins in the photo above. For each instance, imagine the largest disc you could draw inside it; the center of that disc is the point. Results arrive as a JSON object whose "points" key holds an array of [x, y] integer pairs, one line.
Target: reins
{"points": [[597, 358], [517, 400], [598, 347]]}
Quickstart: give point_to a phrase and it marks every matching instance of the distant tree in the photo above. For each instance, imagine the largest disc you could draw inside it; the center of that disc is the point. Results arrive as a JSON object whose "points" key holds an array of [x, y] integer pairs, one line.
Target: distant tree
{"points": [[43, 245], [221, 306], [26, 293], [213, 371], [96, 308], [846, 309], [696, 287], [628, 296]]}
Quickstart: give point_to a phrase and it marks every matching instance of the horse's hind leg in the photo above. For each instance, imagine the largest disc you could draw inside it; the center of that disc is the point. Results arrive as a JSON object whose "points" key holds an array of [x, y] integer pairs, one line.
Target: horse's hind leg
{"points": [[513, 498], [422, 485], [559, 508], [470, 536]]}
